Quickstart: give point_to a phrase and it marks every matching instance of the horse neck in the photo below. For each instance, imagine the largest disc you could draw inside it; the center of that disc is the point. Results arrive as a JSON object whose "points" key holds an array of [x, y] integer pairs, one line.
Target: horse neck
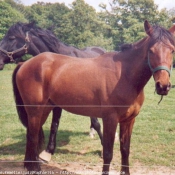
{"points": [[137, 69], [38, 45]]}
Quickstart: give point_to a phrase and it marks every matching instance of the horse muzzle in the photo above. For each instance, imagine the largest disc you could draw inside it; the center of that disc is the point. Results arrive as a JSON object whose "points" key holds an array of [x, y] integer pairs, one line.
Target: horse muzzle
{"points": [[162, 89]]}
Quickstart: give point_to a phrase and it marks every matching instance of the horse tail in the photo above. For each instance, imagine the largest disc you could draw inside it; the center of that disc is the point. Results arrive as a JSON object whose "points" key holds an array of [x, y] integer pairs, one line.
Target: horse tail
{"points": [[18, 100], [20, 106]]}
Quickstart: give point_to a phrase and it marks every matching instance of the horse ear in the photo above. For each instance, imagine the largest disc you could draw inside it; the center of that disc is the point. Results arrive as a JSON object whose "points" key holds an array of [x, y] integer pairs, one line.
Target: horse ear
{"points": [[172, 29], [148, 28], [31, 24], [28, 26]]}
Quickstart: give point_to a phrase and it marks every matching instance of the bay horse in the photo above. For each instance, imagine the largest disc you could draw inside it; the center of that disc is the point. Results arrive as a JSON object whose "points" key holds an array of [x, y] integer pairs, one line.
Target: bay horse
{"points": [[27, 38], [110, 87]]}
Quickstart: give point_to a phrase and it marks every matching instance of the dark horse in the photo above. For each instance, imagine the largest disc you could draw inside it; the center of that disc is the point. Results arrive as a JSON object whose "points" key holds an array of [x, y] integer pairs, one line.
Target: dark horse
{"points": [[28, 38], [109, 86], [24, 38]]}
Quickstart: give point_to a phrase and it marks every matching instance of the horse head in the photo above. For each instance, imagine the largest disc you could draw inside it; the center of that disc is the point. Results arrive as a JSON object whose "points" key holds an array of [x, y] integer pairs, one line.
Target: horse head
{"points": [[14, 44], [22, 38], [160, 55]]}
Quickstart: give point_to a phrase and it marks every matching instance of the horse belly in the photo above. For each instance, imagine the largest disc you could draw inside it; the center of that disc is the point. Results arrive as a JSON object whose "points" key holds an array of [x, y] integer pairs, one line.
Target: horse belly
{"points": [[76, 99], [85, 111]]}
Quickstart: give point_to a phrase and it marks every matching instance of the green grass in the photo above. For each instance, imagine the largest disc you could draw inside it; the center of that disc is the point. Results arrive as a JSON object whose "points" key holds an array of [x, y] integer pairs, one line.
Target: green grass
{"points": [[152, 143]]}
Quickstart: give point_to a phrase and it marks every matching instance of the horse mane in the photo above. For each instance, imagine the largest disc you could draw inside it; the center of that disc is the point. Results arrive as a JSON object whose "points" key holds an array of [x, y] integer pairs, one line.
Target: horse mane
{"points": [[48, 38], [161, 34], [126, 47], [19, 29], [16, 30], [158, 34]]}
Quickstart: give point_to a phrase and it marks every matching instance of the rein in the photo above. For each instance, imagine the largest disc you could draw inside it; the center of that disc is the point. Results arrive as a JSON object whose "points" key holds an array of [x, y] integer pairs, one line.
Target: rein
{"points": [[159, 67], [24, 47]]}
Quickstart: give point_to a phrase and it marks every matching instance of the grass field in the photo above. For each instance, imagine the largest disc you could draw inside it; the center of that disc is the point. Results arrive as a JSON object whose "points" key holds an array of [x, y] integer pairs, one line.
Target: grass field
{"points": [[153, 138]]}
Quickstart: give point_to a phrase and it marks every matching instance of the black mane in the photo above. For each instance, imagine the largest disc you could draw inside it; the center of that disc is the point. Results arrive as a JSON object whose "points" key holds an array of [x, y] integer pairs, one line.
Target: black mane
{"points": [[19, 30], [16, 30], [48, 38]]}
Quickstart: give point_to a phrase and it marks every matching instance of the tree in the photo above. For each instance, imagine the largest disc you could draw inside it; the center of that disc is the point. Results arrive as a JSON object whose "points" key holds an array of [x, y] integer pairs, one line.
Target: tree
{"points": [[82, 26], [9, 16], [16, 4], [171, 15], [127, 16], [47, 15]]}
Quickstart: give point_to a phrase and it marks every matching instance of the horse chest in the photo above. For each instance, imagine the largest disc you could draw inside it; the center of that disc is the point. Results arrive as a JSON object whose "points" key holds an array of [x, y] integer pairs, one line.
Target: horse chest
{"points": [[127, 106], [133, 110], [124, 113]]}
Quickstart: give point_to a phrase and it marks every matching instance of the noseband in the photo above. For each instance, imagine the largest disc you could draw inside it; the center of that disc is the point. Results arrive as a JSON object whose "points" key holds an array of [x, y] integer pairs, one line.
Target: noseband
{"points": [[153, 70], [24, 47]]}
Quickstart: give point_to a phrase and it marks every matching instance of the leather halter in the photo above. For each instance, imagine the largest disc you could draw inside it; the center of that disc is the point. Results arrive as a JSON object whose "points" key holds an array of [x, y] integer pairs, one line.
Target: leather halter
{"points": [[153, 70], [24, 47]]}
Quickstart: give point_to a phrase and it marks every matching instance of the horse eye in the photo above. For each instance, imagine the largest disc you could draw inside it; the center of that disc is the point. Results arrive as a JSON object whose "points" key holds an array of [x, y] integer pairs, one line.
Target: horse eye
{"points": [[172, 51], [11, 37]]}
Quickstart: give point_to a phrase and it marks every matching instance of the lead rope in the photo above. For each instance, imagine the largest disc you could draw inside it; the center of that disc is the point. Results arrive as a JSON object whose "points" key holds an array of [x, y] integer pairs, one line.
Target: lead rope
{"points": [[160, 99]]}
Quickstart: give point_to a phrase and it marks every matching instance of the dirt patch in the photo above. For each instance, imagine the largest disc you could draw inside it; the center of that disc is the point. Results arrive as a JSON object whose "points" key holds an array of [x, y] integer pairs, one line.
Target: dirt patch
{"points": [[81, 169]]}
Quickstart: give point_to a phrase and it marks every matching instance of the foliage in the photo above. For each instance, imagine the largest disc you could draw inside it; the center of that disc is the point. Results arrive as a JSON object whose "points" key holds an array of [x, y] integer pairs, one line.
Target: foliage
{"points": [[47, 15], [126, 19], [171, 14], [80, 25], [9, 15]]}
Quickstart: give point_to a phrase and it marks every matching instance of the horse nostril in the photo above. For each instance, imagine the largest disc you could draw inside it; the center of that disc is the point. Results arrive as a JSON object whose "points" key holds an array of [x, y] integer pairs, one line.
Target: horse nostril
{"points": [[161, 88], [169, 86], [158, 85]]}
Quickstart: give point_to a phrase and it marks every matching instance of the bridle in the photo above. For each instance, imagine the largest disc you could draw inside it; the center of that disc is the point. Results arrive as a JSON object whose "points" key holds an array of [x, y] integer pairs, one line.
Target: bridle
{"points": [[24, 47], [153, 70]]}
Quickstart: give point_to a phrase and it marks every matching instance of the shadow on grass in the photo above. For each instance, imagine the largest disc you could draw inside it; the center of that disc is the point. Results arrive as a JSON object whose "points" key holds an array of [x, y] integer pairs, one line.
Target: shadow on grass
{"points": [[66, 151], [63, 139]]}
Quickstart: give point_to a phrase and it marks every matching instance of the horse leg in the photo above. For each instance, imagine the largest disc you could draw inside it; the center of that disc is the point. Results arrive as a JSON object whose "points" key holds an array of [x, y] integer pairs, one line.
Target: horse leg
{"points": [[35, 137], [96, 125], [125, 136], [32, 146], [92, 130], [109, 129], [46, 154]]}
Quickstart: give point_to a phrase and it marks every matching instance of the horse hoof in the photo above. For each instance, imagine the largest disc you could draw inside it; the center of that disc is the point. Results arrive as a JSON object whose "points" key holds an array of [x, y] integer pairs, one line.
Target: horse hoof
{"points": [[45, 156], [92, 133]]}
